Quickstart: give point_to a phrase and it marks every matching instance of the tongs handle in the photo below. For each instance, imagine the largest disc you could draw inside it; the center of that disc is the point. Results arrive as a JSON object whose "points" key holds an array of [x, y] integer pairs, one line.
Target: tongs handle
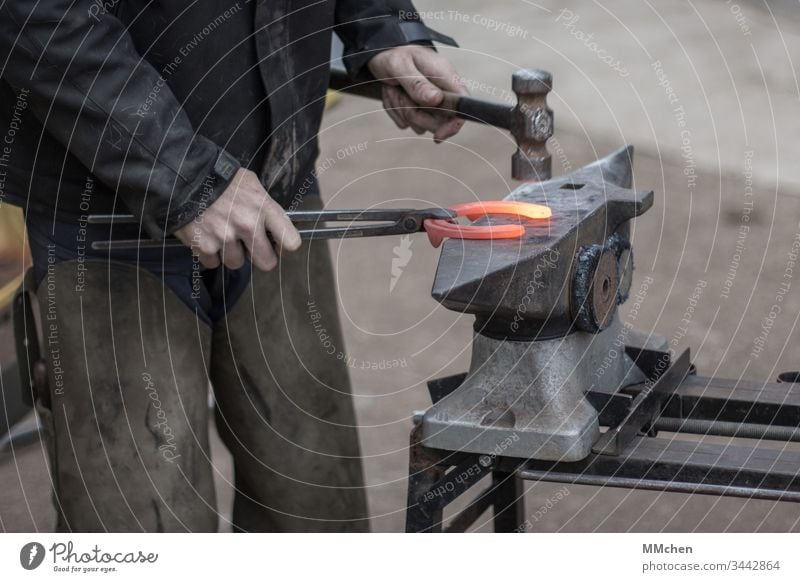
{"points": [[345, 215], [388, 222]]}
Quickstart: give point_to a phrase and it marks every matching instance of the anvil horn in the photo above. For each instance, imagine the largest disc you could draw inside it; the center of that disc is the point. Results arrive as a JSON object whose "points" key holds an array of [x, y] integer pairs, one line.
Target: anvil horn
{"points": [[616, 168]]}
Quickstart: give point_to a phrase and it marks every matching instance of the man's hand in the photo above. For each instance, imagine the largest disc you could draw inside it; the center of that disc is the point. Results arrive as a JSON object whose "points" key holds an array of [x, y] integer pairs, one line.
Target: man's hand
{"points": [[239, 219], [414, 77]]}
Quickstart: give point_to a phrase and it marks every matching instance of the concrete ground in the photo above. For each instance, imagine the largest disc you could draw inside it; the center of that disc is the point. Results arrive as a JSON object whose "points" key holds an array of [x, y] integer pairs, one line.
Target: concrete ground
{"points": [[708, 94]]}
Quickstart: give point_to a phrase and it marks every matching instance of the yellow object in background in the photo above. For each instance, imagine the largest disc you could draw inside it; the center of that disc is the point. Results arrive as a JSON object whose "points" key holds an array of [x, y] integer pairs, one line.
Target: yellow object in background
{"points": [[14, 255], [332, 98]]}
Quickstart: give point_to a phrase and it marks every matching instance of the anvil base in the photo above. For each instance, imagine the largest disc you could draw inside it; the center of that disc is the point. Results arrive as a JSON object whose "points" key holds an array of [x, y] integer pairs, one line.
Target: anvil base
{"points": [[526, 399]]}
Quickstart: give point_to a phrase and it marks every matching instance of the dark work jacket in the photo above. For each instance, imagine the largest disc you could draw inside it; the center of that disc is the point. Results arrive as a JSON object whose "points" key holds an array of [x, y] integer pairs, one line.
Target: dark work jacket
{"points": [[150, 106]]}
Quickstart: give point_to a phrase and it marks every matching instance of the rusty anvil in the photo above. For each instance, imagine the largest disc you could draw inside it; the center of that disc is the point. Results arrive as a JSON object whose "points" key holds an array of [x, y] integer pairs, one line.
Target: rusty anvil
{"points": [[545, 311]]}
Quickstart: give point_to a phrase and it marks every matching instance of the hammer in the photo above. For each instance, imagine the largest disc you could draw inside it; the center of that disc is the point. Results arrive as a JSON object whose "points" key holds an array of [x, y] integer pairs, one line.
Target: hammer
{"points": [[530, 121]]}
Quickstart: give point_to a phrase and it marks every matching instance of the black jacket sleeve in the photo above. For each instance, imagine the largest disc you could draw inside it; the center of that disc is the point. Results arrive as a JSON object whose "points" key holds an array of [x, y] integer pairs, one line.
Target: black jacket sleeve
{"points": [[89, 87], [367, 27]]}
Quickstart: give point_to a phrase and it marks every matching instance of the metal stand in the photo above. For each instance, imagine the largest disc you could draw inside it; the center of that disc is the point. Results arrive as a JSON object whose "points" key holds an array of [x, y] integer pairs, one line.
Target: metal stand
{"points": [[629, 454]]}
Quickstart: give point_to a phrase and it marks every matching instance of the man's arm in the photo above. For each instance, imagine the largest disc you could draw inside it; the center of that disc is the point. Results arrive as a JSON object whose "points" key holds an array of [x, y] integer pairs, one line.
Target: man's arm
{"points": [[89, 87], [382, 39]]}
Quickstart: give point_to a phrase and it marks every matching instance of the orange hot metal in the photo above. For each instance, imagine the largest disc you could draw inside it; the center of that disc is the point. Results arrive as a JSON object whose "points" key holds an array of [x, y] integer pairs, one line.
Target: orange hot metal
{"points": [[438, 230]]}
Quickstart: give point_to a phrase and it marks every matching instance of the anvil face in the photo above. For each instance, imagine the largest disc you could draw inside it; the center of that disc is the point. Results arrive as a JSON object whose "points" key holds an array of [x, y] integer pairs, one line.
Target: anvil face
{"points": [[495, 279]]}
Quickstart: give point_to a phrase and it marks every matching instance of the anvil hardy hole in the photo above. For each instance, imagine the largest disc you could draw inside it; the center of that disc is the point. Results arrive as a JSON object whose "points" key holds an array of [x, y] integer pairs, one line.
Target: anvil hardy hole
{"points": [[789, 377], [572, 186]]}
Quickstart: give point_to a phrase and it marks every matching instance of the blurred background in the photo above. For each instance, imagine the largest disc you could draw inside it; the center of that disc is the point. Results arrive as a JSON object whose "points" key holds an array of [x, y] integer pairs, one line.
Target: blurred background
{"points": [[706, 91]]}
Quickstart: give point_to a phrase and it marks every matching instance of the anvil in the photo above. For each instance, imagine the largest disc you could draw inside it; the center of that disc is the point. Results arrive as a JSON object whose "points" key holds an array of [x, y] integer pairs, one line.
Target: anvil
{"points": [[545, 318]]}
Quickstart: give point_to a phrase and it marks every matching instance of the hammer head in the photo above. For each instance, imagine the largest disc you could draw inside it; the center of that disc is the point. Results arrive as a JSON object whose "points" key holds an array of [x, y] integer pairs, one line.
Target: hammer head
{"points": [[531, 125]]}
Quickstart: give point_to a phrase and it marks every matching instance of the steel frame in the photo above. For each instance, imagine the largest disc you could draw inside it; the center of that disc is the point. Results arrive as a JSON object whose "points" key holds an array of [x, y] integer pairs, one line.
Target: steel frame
{"points": [[673, 397]]}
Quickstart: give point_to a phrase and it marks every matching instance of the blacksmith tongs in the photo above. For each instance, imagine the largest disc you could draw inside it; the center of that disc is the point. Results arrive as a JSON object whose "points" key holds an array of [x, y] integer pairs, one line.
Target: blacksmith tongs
{"points": [[439, 223], [388, 222]]}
